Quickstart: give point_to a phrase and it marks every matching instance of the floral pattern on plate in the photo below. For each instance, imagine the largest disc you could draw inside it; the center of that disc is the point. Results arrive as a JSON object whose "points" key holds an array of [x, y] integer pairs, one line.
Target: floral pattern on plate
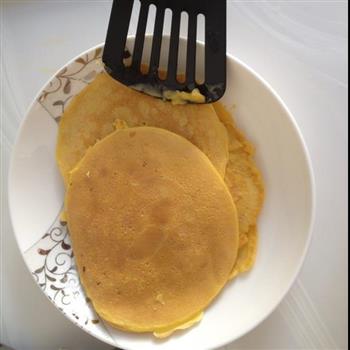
{"points": [[69, 82], [51, 260], [52, 264]]}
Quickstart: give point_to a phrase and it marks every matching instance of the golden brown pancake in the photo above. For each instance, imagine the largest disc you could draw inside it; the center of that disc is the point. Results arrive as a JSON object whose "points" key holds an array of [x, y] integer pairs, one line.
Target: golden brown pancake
{"points": [[92, 114], [96, 112], [246, 186], [154, 229]]}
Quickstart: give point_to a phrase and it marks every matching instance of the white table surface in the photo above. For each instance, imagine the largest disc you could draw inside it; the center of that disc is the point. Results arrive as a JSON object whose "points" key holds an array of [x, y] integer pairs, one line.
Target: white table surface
{"points": [[300, 47]]}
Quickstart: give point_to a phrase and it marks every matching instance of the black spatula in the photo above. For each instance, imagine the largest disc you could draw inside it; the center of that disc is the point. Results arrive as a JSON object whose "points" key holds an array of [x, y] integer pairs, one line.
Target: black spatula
{"points": [[114, 55]]}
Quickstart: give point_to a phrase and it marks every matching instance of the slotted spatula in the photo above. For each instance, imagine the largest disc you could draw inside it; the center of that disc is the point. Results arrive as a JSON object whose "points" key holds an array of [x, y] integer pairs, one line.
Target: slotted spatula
{"points": [[114, 54]]}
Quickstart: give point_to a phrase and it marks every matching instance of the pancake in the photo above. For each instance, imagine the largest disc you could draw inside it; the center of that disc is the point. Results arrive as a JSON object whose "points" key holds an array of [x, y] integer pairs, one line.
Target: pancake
{"points": [[97, 112], [154, 229], [246, 187], [91, 116]]}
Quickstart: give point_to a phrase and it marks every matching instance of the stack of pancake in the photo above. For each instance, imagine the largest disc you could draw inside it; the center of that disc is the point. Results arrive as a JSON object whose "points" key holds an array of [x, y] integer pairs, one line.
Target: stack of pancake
{"points": [[161, 203]]}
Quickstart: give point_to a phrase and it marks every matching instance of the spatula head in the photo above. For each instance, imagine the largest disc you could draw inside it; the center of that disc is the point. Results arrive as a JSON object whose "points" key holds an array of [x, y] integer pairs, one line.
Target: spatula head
{"points": [[115, 53]]}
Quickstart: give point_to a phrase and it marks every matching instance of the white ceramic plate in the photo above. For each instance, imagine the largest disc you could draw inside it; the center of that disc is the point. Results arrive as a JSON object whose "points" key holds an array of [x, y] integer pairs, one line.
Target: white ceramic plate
{"points": [[36, 197]]}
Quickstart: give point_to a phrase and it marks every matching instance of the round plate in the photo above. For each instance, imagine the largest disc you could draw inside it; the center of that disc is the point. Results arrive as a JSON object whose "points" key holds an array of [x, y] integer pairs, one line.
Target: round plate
{"points": [[36, 196]]}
